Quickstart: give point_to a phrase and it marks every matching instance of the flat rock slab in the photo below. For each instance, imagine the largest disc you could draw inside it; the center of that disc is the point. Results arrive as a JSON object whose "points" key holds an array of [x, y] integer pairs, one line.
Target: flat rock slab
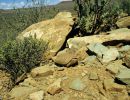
{"points": [[37, 95], [77, 84], [123, 22], [93, 76], [109, 85], [19, 92], [124, 76], [42, 71], [115, 67], [55, 87], [97, 48], [116, 35], [107, 54], [110, 55]]}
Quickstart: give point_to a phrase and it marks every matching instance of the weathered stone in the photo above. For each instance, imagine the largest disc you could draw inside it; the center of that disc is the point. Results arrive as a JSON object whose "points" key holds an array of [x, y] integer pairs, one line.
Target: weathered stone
{"points": [[77, 84], [89, 59], [103, 52], [93, 76], [53, 31], [42, 71], [126, 59], [125, 48], [110, 55], [37, 95], [65, 57], [123, 22], [115, 66], [119, 31], [128, 89], [124, 76], [55, 87], [109, 85], [20, 92], [29, 81], [1, 87], [66, 97], [97, 48], [115, 35], [81, 54], [60, 68]]}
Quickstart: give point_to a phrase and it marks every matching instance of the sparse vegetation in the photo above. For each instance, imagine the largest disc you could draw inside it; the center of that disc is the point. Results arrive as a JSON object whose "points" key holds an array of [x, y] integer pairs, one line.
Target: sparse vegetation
{"points": [[20, 56], [15, 21]]}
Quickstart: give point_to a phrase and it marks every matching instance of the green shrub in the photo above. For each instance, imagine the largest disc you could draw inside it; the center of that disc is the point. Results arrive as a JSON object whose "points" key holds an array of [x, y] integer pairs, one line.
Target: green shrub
{"points": [[125, 5], [96, 15], [20, 56]]}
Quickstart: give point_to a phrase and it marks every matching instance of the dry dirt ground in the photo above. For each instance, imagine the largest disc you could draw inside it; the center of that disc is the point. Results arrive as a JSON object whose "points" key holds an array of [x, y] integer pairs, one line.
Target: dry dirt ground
{"points": [[94, 88]]}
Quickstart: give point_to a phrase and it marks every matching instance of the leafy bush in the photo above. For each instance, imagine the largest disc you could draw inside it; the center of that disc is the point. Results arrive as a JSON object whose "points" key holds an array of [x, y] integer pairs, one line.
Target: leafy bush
{"points": [[20, 56], [96, 15]]}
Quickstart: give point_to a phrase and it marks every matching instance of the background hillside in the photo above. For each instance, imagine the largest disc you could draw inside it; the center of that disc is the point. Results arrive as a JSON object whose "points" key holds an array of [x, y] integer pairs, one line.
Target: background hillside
{"points": [[12, 22]]}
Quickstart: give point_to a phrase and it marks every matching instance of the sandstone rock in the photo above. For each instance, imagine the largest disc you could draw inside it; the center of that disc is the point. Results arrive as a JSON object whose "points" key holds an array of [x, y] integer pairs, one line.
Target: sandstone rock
{"points": [[60, 68], [20, 92], [65, 57], [126, 59], [115, 66], [109, 85], [1, 98], [42, 71], [125, 48], [66, 97], [37, 95], [53, 31], [77, 84], [110, 55], [97, 48], [123, 22], [124, 76], [115, 35], [29, 81], [103, 52], [89, 59], [81, 54], [93, 76], [128, 89], [55, 87]]}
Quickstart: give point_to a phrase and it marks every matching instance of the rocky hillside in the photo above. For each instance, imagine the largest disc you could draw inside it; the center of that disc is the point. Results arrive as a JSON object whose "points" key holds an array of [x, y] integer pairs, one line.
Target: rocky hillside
{"points": [[93, 67]]}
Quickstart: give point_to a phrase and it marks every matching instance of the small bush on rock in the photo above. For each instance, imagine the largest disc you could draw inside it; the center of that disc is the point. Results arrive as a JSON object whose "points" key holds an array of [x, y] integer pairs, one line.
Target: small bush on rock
{"points": [[20, 56]]}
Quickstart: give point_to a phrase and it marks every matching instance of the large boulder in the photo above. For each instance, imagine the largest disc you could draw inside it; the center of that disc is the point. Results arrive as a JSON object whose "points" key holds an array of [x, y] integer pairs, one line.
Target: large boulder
{"points": [[53, 31], [116, 35], [123, 22]]}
